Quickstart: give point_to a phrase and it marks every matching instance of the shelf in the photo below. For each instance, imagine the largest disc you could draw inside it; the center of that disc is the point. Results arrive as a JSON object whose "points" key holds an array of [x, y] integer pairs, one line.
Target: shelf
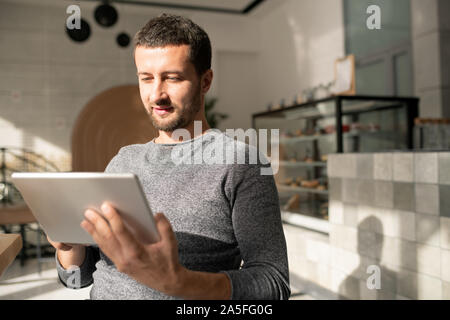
{"points": [[281, 187], [301, 164], [383, 134], [305, 138], [305, 221]]}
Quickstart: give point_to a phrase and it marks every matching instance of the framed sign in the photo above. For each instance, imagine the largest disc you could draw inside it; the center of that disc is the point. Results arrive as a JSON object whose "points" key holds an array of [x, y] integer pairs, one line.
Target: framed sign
{"points": [[344, 76]]}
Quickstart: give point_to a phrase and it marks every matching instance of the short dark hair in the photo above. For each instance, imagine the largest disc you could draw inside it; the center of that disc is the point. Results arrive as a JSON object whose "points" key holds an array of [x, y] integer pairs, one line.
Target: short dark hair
{"points": [[168, 29]]}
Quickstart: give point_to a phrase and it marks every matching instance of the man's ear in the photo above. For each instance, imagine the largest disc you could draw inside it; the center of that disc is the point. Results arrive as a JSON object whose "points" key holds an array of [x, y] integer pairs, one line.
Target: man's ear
{"points": [[206, 80]]}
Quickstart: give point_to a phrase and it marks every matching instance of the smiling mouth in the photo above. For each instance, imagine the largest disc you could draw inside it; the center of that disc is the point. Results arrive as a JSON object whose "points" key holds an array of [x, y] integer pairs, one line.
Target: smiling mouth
{"points": [[162, 110]]}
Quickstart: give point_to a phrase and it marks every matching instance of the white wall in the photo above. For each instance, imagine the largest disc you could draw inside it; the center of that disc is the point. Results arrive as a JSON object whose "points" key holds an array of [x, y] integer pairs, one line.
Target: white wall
{"points": [[46, 79], [284, 46], [300, 41]]}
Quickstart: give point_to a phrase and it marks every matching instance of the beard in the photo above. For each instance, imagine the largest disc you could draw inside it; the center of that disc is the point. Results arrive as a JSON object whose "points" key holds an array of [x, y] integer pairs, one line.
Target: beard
{"points": [[179, 118]]}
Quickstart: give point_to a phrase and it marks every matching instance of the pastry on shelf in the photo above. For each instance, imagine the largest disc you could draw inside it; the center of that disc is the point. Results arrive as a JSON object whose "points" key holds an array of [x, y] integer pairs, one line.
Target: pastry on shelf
{"points": [[295, 184], [292, 160], [299, 180], [309, 160], [288, 181], [321, 187], [310, 184], [324, 158], [298, 133], [293, 202]]}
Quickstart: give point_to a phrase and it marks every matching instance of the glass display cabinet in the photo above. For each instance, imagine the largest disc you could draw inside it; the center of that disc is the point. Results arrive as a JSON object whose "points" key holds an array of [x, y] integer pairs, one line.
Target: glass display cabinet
{"points": [[310, 131]]}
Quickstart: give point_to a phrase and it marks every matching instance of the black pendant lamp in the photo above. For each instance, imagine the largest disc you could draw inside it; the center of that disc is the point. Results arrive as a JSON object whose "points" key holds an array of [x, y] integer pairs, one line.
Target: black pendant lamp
{"points": [[79, 35], [106, 15], [123, 39]]}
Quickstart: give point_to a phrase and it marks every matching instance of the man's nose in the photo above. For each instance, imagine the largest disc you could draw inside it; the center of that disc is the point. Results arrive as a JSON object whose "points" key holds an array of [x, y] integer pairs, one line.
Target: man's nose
{"points": [[158, 92]]}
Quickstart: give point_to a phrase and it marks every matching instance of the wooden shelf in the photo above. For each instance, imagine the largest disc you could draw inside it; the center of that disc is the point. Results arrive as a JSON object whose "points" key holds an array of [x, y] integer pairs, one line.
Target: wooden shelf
{"points": [[301, 164], [281, 187]]}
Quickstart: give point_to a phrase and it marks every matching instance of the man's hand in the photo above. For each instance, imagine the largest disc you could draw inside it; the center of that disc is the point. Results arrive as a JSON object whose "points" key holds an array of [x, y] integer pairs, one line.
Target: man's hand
{"points": [[69, 254], [155, 265]]}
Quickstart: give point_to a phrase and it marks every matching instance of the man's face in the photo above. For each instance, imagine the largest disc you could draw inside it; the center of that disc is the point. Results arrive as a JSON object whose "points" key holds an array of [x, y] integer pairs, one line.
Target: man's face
{"points": [[169, 86]]}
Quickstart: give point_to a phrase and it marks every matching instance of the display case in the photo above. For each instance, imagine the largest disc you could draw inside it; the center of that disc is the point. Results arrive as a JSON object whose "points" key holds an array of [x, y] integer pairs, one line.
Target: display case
{"points": [[310, 131]]}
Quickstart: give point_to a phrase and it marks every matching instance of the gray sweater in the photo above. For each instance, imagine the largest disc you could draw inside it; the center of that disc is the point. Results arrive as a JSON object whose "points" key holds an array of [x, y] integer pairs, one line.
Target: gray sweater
{"points": [[226, 218]]}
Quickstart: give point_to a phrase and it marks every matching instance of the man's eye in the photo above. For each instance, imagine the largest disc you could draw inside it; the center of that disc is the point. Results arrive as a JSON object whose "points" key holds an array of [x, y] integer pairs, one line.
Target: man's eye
{"points": [[145, 79], [174, 78]]}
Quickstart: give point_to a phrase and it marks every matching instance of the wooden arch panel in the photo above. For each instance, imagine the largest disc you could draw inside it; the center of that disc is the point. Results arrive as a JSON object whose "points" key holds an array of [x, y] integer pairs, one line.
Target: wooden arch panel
{"points": [[111, 120]]}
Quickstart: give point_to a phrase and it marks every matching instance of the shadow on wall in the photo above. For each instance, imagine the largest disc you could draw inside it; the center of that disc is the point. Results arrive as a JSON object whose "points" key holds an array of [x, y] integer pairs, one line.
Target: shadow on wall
{"points": [[370, 280]]}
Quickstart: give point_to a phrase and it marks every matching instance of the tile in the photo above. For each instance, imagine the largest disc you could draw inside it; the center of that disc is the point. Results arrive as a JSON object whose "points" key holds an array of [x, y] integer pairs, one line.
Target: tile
{"points": [[397, 252], [404, 196], [335, 188], [407, 222], [426, 167], [444, 167], [407, 283], [348, 286], [364, 166], [367, 243], [366, 192], [427, 198], [366, 264], [366, 293], [383, 166], [445, 290], [336, 212], [403, 169], [428, 288], [346, 261], [428, 229], [351, 215], [391, 223], [317, 251], [347, 165], [444, 200], [343, 237], [445, 265], [350, 191], [384, 194], [333, 166], [366, 217], [445, 233], [429, 260]]}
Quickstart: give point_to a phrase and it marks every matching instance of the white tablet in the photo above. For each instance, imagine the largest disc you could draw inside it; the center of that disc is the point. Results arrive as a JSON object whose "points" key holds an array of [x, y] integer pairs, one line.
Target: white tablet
{"points": [[58, 201]]}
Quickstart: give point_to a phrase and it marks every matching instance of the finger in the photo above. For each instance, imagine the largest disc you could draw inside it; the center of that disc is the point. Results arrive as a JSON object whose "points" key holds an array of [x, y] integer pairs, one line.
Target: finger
{"points": [[59, 245], [164, 228], [120, 230], [100, 231]]}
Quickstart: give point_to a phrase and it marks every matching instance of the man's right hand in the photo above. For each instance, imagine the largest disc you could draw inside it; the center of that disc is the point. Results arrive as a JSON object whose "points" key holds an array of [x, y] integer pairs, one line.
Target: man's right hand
{"points": [[69, 254]]}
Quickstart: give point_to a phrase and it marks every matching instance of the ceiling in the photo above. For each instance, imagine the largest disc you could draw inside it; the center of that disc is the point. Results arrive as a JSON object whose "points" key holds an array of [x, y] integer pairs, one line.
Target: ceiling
{"points": [[220, 6]]}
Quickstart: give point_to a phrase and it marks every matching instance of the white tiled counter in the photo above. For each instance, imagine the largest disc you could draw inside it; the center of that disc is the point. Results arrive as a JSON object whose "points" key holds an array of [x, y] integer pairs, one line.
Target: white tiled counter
{"points": [[390, 211]]}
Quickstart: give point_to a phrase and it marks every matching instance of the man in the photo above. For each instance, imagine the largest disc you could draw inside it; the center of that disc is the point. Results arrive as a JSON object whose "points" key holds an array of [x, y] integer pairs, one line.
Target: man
{"points": [[220, 227]]}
